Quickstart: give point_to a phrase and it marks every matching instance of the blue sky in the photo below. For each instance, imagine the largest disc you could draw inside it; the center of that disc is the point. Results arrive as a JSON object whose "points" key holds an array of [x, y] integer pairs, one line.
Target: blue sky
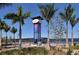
{"points": [[27, 29]]}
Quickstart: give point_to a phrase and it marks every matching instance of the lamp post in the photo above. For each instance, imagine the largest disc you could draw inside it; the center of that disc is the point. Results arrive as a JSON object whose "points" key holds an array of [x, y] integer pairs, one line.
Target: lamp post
{"points": [[37, 29]]}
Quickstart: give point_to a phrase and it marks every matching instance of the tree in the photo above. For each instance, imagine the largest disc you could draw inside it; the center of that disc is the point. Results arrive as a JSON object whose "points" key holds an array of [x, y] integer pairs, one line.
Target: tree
{"points": [[58, 30], [1, 27], [6, 29], [48, 12], [2, 5], [18, 17], [66, 15], [73, 22], [13, 30]]}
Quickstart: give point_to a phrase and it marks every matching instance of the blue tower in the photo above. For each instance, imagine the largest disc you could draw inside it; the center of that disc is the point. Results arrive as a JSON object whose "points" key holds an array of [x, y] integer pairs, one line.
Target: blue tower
{"points": [[37, 28]]}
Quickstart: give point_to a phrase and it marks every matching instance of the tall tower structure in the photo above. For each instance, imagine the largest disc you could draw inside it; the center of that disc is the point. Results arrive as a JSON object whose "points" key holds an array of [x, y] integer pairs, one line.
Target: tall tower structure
{"points": [[37, 28]]}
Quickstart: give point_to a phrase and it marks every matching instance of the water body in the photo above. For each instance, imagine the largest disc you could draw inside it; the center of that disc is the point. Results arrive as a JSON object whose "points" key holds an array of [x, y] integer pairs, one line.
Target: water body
{"points": [[76, 40], [63, 41]]}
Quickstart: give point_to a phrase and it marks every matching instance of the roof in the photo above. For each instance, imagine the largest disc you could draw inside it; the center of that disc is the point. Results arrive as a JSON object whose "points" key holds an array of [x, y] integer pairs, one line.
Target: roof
{"points": [[37, 17]]}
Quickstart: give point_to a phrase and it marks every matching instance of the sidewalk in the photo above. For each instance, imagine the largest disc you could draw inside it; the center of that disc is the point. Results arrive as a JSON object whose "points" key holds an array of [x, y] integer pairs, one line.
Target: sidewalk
{"points": [[7, 49]]}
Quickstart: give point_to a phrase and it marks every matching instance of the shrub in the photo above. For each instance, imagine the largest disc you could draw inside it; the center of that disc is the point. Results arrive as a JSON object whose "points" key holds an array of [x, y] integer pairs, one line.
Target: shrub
{"points": [[26, 51], [76, 47], [37, 51], [69, 51]]}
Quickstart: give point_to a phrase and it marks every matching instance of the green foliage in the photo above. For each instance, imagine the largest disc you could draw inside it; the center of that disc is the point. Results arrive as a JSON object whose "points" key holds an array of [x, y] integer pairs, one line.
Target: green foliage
{"points": [[74, 21], [36, 51], [1, 24], [6, 28], [68, 12], [17, 17], [13, 30], [47, 11], [69, 51], [76, 47]]}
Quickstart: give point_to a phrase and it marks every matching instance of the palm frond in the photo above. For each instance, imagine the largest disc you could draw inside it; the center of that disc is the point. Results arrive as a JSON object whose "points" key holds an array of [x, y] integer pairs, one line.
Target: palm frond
{"points": [[26, 15], [47, 11], [22, 21], [69, 11], [13, 30], [20, 11], [62, 15], [74, 20], [6, 28], [77, 20], [10, 16]]}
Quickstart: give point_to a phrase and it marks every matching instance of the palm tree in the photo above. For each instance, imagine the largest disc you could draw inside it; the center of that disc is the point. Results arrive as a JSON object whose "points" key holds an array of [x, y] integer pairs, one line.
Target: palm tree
{"points": [[66, 15], [73, 22], [1, 27], [48, 12], [6, 29], [13, 30], [2, 5], [18, 17]]}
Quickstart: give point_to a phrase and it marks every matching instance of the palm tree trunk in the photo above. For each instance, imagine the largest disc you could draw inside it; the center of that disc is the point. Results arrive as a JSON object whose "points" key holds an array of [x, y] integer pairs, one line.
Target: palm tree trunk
{"points": [[6, 38], [1, 33], [20, 36], [0, 39], [67, 45], [58, 42], [14, 40], [72, 39], [14, 36], [48, 41]]}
